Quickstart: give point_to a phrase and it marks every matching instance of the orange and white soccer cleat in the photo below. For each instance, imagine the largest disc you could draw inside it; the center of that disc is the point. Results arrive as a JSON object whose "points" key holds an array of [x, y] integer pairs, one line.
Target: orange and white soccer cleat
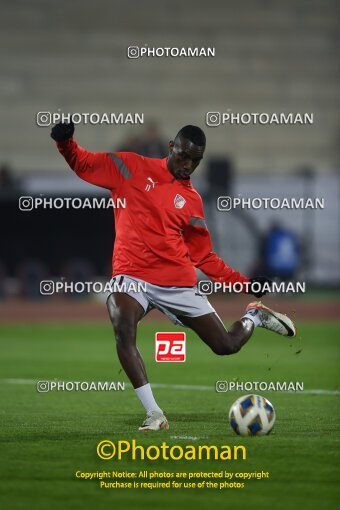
{"points": [[274, 321]]}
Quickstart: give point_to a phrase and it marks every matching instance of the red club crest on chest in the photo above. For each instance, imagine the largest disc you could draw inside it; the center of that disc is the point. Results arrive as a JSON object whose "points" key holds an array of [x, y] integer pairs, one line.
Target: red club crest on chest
{"points": [[179, 201]]}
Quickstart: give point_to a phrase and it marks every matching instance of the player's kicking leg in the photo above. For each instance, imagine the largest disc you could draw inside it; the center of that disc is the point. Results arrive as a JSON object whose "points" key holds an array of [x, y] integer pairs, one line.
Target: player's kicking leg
{"points": [[224, 341], [125, 313]]}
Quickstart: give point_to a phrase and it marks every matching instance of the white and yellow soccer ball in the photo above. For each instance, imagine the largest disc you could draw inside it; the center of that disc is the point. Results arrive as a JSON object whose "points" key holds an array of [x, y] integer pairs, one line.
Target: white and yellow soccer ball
{"points": [[252, 415]]}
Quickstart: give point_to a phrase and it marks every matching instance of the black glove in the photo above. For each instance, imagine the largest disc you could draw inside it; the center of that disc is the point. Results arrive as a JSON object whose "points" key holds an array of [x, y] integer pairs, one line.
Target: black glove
{"points": [[62, 131], [260, 280]]}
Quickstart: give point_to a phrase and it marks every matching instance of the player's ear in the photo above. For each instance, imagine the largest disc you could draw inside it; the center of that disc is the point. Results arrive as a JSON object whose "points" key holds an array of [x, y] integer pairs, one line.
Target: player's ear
{"points": [[171, 146]]}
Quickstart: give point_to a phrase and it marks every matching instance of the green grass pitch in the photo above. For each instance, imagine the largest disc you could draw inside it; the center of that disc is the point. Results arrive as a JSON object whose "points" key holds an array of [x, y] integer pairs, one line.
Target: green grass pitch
{"points": [[47, 437]]}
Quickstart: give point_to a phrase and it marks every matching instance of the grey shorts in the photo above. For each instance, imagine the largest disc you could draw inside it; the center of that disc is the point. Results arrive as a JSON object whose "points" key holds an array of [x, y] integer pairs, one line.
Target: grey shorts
{"points": [[172, 301]]}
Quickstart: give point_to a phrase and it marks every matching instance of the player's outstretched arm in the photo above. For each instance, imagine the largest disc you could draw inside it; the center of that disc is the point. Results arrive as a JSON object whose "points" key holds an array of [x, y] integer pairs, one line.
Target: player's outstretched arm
{"points": [[98, 168], [198, 241], [204, 258]]}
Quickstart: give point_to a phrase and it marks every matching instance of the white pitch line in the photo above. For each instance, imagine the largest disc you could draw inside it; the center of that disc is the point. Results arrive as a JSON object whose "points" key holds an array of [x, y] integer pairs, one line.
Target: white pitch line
{"points": [[211, 388], [18, 381], [183, 387], [189, 387], [191, 438]]}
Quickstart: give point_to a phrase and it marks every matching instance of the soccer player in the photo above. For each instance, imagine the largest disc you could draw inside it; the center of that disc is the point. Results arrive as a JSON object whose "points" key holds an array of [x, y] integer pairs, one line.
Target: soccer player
{"points": [[161, 237]]}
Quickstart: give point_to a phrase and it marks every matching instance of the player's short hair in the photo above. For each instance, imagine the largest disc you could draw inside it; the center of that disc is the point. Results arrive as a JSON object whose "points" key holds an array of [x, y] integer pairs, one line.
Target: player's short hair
{"points": [[192, 133]]}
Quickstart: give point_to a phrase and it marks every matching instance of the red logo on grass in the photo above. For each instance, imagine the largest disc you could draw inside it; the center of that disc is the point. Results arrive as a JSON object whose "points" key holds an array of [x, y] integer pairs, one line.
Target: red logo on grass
{"points": [[170, 347]]}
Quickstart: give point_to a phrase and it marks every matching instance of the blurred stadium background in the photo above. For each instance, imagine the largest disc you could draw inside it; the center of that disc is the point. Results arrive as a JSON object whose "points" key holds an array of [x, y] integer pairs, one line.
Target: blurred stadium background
{"points": [[270, 57]]}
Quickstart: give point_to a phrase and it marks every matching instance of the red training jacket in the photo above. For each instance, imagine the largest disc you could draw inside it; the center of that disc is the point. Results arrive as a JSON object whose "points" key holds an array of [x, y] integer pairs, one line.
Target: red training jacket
{"points": [[161, 234]]}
